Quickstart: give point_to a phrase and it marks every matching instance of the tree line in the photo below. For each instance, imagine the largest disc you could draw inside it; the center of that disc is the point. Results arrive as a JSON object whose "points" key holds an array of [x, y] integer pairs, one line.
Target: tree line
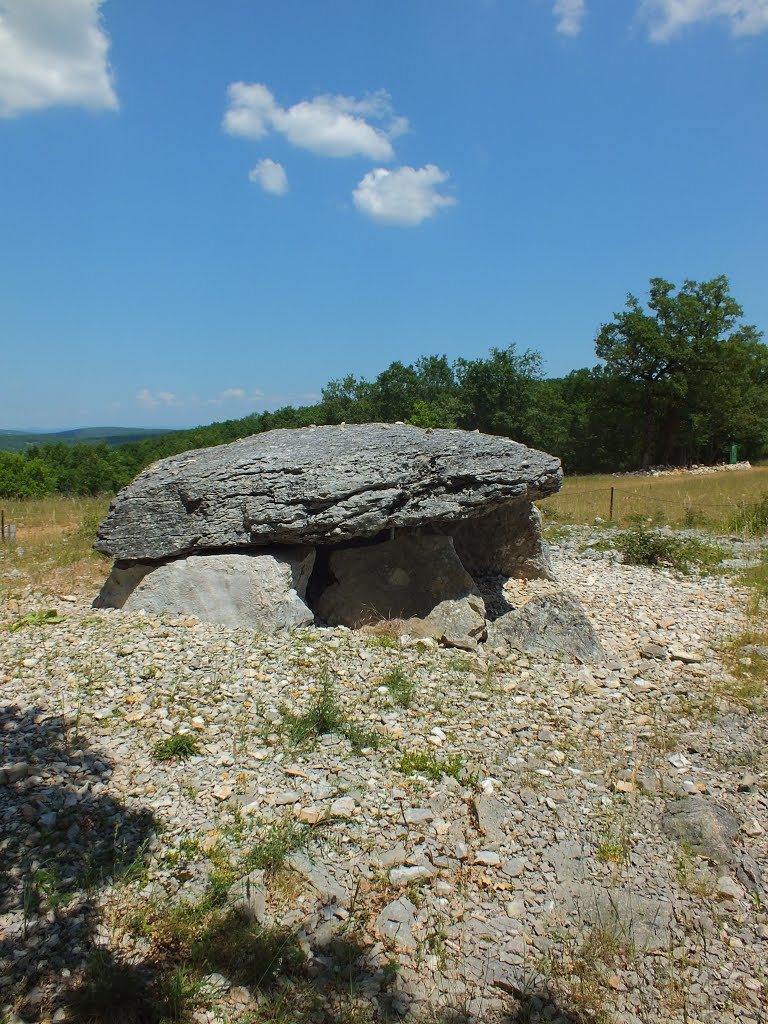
{"points": [[680, 380]]}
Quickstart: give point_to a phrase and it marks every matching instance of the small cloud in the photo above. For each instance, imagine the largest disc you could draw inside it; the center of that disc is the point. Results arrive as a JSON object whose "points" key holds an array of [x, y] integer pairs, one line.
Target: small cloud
{"points": [[152, 399], [328, 125], [405, 196], [53, 53], [270, 176], [669, 17], [233, 393], [570, 15]]}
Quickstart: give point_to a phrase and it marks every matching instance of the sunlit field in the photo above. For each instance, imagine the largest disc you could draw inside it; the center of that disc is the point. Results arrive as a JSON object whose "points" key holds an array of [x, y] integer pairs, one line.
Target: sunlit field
{"points": [[54, 538], [717, 501]]}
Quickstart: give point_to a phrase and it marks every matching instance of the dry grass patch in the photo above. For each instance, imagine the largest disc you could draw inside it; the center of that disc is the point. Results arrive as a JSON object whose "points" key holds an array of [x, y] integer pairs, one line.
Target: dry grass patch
{"points": [[710, 500], [54, 544]]}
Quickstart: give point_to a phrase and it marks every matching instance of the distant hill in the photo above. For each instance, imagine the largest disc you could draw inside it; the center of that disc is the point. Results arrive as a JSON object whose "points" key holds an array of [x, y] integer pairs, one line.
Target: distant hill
{"points": [[113, 437]]}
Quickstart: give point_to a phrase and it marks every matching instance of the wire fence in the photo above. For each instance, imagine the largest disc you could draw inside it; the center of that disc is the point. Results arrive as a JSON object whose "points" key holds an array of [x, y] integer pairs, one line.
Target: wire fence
{"points": [[7, 530], [615, 503]]}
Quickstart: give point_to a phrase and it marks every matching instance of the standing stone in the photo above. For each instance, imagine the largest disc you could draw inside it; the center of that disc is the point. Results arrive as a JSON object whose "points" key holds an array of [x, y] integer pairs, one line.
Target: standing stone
{"points": [[506, 540], [415, 579], [263, 591]]}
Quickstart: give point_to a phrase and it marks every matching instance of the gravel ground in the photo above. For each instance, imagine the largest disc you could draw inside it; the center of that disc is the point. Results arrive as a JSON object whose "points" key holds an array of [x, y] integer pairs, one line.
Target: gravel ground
{"points": [[539, 879]]}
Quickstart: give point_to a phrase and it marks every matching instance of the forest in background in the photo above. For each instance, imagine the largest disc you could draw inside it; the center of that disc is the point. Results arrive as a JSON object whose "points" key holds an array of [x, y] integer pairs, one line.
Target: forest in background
{"points": [[680, 381]]}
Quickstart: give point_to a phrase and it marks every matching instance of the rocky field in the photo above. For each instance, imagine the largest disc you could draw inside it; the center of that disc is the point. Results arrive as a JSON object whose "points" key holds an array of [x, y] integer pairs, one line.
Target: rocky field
{"points": [[200, 824]]}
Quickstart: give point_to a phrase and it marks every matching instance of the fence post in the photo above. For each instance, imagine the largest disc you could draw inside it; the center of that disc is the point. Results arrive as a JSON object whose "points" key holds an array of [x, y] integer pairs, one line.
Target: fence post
{"points": [[610, 511], [2, 526]]}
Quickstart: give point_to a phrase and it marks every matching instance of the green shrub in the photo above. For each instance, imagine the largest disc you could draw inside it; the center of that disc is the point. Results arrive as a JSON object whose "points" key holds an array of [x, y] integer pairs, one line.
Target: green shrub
{"points": [[401, 685], [750, 517], [179, 747], [641, 546]]}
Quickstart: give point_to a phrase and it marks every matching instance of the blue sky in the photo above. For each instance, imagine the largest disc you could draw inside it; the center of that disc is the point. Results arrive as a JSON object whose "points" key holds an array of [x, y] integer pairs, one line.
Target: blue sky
{"points": [[209, 209]]}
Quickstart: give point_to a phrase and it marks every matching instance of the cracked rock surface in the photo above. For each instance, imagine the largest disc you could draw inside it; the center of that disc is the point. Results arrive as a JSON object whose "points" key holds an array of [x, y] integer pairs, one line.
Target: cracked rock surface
{"points": [[320, 485]]}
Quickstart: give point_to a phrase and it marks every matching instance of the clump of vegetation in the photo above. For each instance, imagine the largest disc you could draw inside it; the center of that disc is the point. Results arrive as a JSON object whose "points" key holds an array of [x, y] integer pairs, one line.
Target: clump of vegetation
{"points": [[746, 657], [401, 685], [179, 747], [431, 766], [614, 846], [46, 617], [384, 639], [323, 717], [641, 546], [113, 992], [279, 841], [751, 517]]}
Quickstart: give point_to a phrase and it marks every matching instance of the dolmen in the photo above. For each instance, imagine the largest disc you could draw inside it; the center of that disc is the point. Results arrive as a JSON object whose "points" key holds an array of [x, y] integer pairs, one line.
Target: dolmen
{"points": [[351, 525]]}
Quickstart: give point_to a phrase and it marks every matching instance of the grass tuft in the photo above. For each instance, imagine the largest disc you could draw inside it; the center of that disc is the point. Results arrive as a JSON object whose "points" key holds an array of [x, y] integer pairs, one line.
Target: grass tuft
{"points": [[641, 546], [279, 841], [179, 747], [431, 766], [324, 717], [401, 685]]}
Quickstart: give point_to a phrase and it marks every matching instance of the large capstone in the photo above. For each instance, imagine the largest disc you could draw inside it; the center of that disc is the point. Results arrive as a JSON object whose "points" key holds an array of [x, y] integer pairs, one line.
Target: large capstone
{"points": [[400, 523], [321, 485]]}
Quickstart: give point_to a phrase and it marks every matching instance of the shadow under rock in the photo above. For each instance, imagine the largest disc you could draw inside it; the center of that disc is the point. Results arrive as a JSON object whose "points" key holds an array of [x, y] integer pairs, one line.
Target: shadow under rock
{"points": [[63, 838]]}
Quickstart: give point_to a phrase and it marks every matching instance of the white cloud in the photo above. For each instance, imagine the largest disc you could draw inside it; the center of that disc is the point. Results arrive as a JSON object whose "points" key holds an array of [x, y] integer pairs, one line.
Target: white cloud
{"points": [[233, 395], [53, 53], [270, 176], [668, 17], [328, 125], [570, 14], [151, 399], [404, 196]]}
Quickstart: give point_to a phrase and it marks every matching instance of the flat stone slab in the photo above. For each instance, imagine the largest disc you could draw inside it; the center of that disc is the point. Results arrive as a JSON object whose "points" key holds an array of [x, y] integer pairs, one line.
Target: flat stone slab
{"points": [[320, 485], [551, 625], [706, 826]]}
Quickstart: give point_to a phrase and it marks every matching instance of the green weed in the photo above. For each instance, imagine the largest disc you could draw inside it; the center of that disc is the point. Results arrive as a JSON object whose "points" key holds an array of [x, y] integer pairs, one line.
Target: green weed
{"points": [[401, 685], [47, 617], [278, 842], [641, 546], [431, 766], [179, 747], [323, 717]]}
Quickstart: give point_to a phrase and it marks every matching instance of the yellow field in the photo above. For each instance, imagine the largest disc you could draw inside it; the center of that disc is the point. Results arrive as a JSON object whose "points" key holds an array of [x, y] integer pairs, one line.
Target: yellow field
{"points": [[53, 543], [708, 500]]}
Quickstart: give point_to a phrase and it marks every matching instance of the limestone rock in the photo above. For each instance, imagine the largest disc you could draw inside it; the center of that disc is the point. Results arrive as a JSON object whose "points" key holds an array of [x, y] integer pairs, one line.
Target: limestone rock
{"points": [[492, 816], [551, 624], [506, 540], [642, 921], [705, 825], [320, 485], [263, 591], [416, 578], [396, 923]]}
